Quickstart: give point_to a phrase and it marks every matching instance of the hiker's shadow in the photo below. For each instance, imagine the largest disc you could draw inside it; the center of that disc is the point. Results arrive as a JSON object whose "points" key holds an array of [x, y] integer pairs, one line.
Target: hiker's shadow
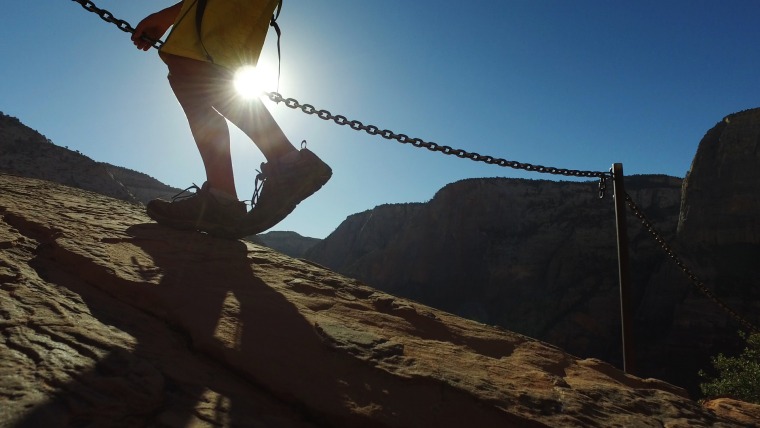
{"points": [[205, 289], [209, 290]]}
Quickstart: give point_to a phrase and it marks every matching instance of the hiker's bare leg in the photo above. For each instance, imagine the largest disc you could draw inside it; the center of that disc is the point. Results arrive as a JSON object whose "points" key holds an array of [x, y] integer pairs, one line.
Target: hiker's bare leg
{"points": [[196, 87], [253, 118], [205, 90]]}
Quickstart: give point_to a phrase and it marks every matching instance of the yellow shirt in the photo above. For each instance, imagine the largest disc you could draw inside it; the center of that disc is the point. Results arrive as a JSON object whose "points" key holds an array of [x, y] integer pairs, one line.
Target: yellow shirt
{"points": [[233, 31]]}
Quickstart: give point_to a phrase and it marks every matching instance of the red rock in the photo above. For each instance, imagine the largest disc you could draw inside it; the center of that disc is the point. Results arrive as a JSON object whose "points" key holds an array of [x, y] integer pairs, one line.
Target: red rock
{"points": [[111, 320], [746, 414]]}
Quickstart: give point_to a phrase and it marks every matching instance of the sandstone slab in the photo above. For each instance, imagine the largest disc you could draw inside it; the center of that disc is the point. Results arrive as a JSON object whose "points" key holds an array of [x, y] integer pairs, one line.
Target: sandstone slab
{"points": [[110, 320]]}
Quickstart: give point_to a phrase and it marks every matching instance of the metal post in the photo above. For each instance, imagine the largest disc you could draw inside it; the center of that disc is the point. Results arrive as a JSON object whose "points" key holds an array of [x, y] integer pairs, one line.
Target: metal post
{"points": [[624, 269]]}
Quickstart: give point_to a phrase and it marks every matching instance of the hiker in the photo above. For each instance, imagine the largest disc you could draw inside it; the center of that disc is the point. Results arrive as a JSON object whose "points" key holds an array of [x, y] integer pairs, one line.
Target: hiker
{"points": [[207, 44]]}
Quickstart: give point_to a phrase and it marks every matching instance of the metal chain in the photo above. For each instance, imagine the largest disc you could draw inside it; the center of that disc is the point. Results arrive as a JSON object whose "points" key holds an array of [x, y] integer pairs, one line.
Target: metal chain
{"points": [[447, 150], [374, 130], [673, 256], [120, 23]]}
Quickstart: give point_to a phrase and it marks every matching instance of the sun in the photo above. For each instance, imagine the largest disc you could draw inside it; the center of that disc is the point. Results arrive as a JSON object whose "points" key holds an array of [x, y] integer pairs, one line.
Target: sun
{"points": [[251, 81]]}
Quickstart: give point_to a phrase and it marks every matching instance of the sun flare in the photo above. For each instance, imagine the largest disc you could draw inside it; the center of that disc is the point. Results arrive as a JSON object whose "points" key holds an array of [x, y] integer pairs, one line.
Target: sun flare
{"points": [[251, 81]]}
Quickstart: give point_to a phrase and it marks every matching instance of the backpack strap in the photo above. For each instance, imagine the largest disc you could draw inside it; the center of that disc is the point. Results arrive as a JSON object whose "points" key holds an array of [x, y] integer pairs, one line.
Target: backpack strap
{"points": [[273, 23], [200, 8]]}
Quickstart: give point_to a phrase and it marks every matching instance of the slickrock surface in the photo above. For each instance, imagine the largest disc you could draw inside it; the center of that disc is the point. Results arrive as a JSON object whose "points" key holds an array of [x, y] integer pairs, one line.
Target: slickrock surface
{"points": [[110, 320]]}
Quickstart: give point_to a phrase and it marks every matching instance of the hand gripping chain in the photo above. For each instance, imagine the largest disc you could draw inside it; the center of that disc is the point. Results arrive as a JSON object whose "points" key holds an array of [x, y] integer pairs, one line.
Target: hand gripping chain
{"points": [[108, 17]]}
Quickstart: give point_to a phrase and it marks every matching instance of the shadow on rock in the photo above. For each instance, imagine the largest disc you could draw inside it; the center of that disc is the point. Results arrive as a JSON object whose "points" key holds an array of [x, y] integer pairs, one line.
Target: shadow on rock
{"points": [[182, 297]]}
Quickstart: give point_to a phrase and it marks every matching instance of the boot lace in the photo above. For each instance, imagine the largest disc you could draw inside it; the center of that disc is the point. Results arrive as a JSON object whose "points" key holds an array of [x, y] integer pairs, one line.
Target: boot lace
{"points": [[261, 177], [186, 194]]}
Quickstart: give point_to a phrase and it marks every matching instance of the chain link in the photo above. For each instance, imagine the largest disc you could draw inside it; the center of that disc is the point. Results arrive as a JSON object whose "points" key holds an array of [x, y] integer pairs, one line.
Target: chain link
{"points": [[434, 147], [673, 256], [108, 17]]}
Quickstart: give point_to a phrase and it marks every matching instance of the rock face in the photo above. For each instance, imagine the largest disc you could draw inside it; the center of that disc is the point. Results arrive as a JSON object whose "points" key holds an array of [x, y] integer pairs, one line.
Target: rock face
{"points": [[355, 246], [289, 243], [25, 152], [721, 205], [719, 232], [538, 257], [720, 213], [110, 320]]}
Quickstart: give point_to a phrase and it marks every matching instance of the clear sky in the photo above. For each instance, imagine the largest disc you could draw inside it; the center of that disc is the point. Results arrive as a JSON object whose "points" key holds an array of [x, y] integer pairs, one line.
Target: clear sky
{"points": [[578, 85]]}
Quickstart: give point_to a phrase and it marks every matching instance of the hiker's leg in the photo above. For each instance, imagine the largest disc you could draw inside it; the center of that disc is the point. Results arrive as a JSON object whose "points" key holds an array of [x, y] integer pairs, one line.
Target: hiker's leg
{"points": [[254, 119], [196, 85]]}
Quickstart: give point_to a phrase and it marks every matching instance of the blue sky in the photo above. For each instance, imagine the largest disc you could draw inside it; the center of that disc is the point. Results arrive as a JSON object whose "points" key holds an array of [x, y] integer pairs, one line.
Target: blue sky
{"points": [[577, 85]]}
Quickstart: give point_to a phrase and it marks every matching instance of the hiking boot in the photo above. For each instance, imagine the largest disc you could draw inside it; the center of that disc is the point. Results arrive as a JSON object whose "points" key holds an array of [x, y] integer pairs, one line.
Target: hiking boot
{"points": [[198, 211], [283, 184]]}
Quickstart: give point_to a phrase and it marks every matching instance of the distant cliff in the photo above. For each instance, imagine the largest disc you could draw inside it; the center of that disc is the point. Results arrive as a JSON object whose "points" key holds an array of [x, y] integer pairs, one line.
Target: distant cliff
{"points": [[289, 243], [538, 257], [720, 210], [25, 152], [721, 200], [361, 241]]}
